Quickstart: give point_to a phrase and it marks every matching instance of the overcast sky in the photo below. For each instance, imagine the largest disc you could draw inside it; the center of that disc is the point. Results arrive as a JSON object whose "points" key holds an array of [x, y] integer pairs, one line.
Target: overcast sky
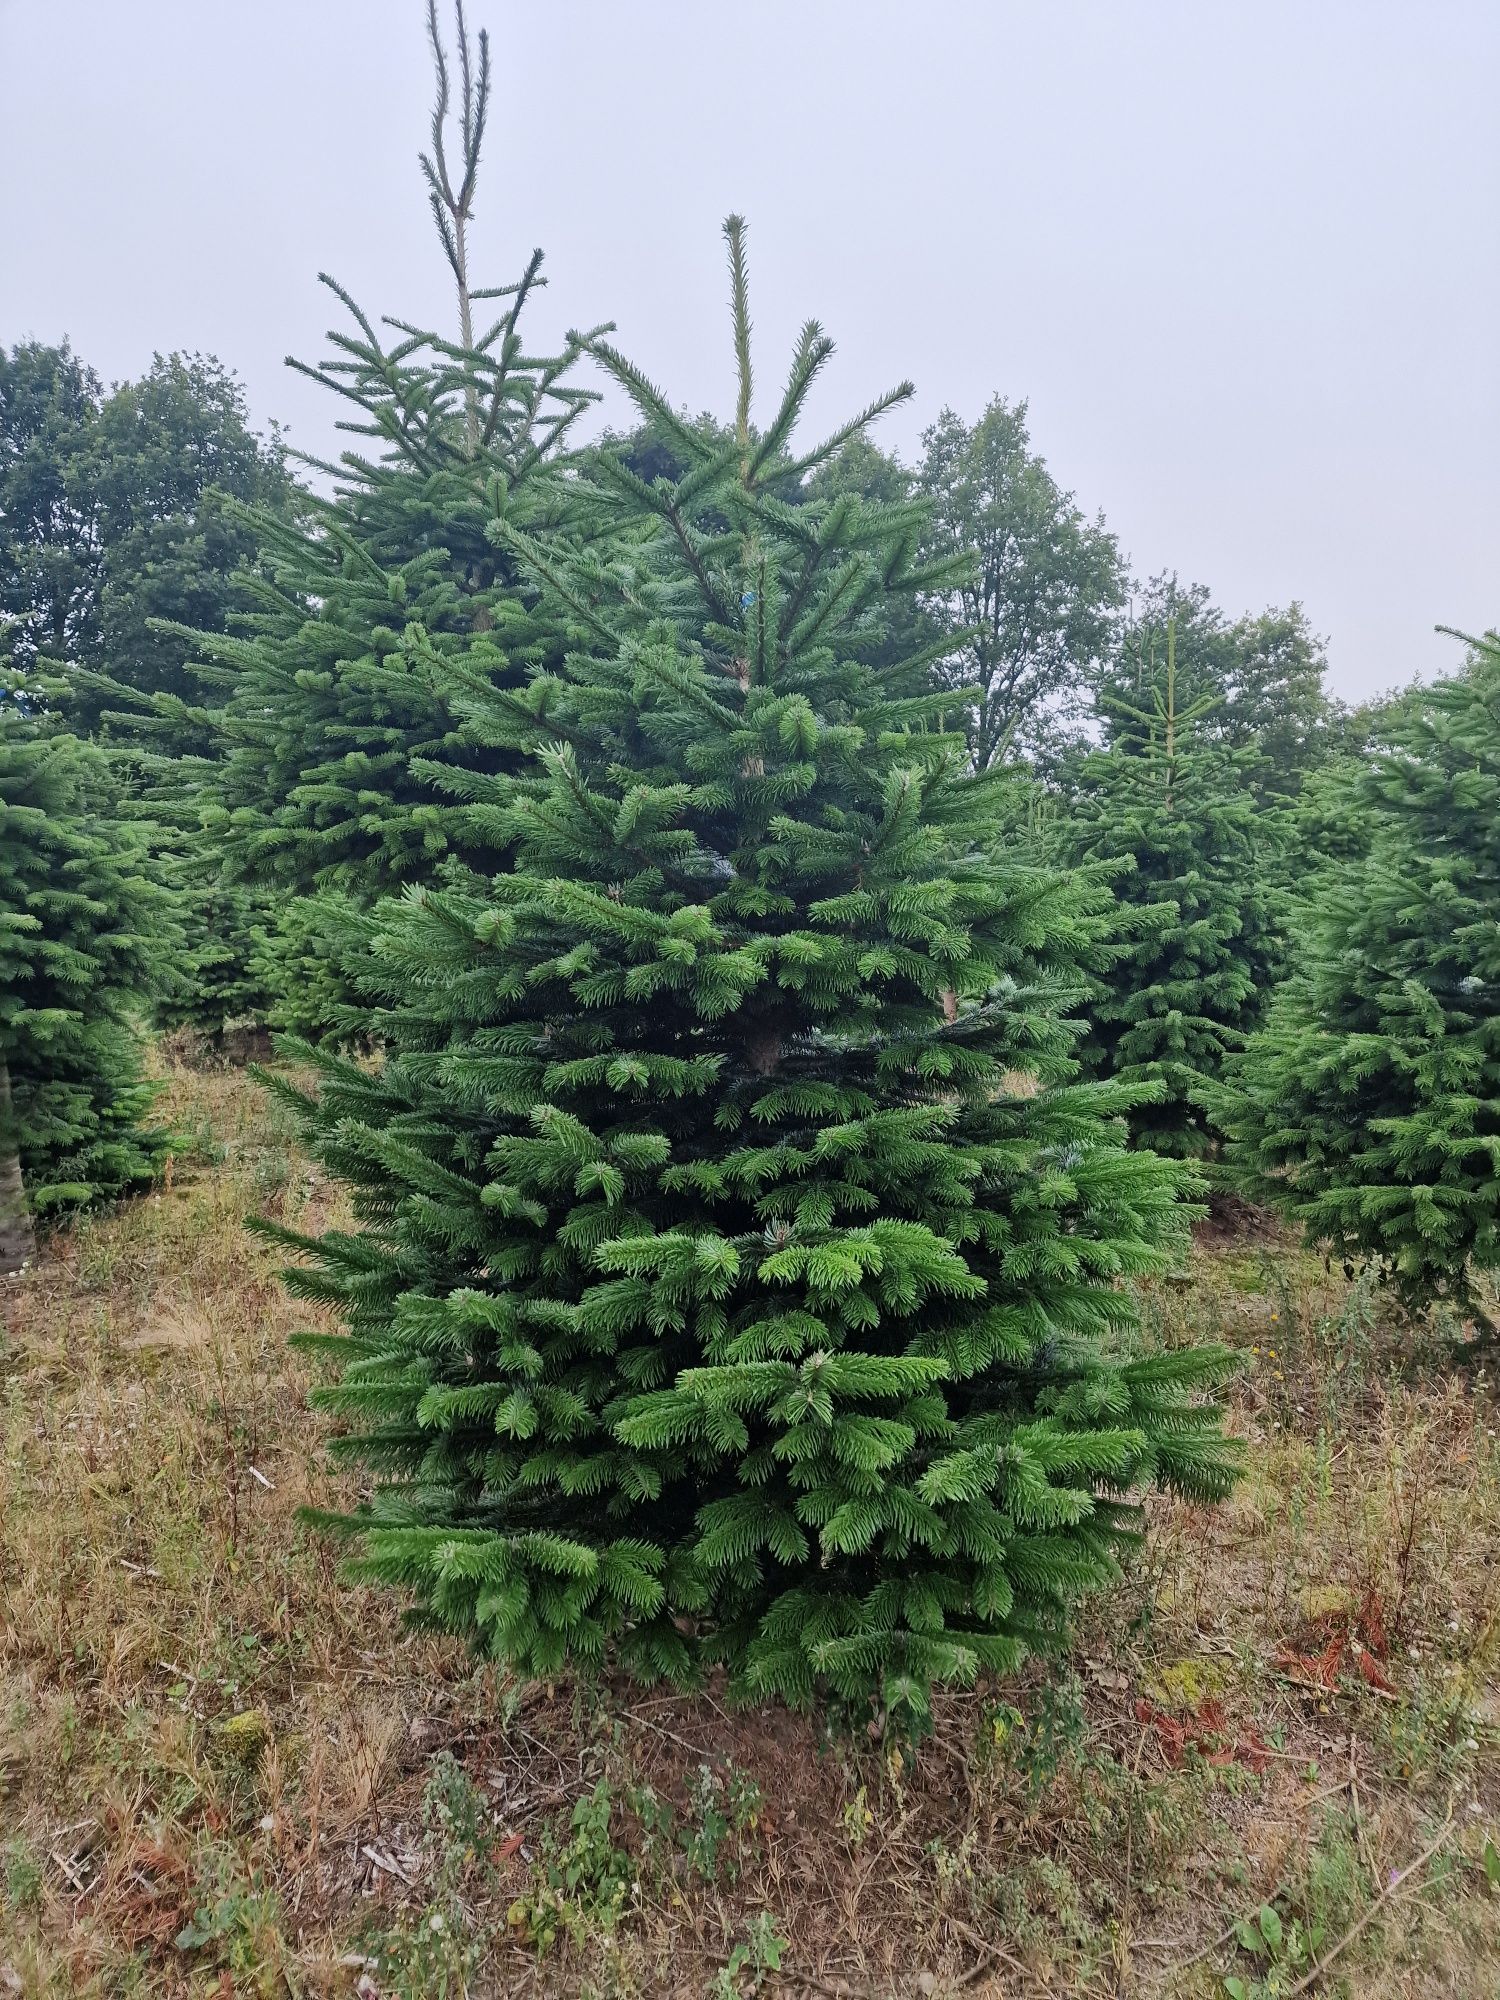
{"points": [[1240, 258]]}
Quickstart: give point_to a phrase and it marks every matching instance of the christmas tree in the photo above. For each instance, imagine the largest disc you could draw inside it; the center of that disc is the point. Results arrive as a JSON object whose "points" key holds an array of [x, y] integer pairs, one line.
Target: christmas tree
{"points": [[82, 933], [1260, 678], [1169, 813], [329, 705], [1368, 1108], [123, 520], [742, 1267]]}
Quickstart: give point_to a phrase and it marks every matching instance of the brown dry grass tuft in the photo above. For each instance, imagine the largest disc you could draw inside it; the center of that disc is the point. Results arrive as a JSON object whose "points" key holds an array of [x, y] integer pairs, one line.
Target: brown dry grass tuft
{"points": [[222, 1770]]}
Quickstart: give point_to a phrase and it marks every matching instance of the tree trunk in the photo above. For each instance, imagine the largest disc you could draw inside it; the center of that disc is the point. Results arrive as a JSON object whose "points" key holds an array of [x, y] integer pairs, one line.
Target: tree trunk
{"points": [[17, 1241]]}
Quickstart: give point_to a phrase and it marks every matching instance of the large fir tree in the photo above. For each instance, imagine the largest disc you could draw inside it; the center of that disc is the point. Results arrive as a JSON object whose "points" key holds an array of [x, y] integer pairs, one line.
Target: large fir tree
{"points": [[1172, 815], [331, 710], [742, 1270], [83, 936], [1368, 1108]]}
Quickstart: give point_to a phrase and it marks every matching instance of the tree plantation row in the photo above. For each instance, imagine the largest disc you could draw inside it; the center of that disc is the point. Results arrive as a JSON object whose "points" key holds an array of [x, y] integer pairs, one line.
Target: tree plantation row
{"points": [[778, 943]]}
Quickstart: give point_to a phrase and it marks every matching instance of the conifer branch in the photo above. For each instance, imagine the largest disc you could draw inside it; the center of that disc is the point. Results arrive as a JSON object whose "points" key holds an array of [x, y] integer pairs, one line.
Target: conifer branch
{"points": [[739, 283], [452, 208], [648, 399], [814, 349], [902, 393], [535, 558]]}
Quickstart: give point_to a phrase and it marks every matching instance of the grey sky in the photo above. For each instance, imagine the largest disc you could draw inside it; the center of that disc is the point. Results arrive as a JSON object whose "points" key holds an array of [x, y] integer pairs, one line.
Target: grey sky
{"points": [[1242, 258]]}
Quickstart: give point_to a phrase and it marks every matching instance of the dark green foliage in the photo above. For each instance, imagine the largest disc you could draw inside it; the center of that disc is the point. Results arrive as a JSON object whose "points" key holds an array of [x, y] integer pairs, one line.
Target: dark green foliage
{"points": [[297, 958], [741, 1268], [349, 764], [178, 469], [49, 544], [83, 937], [1262, 676], [1032, 612], [120, 511], [1368, 1108], [1174, 816]]}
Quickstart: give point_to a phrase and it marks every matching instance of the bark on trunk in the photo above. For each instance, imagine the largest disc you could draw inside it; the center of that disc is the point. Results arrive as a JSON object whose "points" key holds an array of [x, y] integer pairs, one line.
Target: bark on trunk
{"points": [[17, 1239]]}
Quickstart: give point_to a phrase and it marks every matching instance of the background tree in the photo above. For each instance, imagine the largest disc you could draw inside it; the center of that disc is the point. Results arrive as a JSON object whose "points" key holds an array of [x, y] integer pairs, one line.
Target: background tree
{"points": [[181, 479], [178, 475], [50, 541], [84, 933], [1036, 611], [119, 508], [119, 511], [1263, 674], [1167, 810], [717, 1293], [1368, 1108]]}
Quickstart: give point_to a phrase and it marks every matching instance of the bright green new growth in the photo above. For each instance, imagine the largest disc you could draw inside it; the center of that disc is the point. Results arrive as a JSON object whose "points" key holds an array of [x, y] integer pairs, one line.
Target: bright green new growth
{"points": [[1174, 817], [1368, 1108], [82, 933], [741, 1265]]}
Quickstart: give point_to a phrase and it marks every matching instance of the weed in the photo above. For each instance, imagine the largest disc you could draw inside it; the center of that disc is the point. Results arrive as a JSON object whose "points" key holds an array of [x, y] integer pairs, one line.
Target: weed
{"points": [[749, 1962], [237, 1929], [273, 1175], [1040, 1745], [1284, 1948], [584, 1884], [431, 1959], [724, 1809], [456, 1818], [858, 1819], [443, 1950], [1431, 1736], [23, 1875]]}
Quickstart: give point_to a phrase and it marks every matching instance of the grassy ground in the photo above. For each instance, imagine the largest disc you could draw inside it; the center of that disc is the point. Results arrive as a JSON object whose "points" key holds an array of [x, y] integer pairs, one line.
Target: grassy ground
{"points": [[222, 1770]]}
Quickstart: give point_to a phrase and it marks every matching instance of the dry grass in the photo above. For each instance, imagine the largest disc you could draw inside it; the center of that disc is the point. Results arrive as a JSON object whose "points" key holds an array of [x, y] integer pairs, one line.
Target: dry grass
{"points": [[222, 1770]]}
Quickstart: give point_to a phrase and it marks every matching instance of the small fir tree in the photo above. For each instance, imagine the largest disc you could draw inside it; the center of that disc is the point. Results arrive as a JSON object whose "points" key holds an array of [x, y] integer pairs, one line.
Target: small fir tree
{"points": [[1170, 813], [83, 933], [1262, 674], [1368, 1107], [742, 1269]]}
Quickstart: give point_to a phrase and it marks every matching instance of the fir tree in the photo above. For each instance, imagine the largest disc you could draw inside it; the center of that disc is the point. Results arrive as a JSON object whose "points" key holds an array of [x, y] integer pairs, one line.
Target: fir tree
{"points": [[83, 934], [742, 1269], [331, 710], [1368, 1108], [1172, 814], [123, 520], [1260, 676]]}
